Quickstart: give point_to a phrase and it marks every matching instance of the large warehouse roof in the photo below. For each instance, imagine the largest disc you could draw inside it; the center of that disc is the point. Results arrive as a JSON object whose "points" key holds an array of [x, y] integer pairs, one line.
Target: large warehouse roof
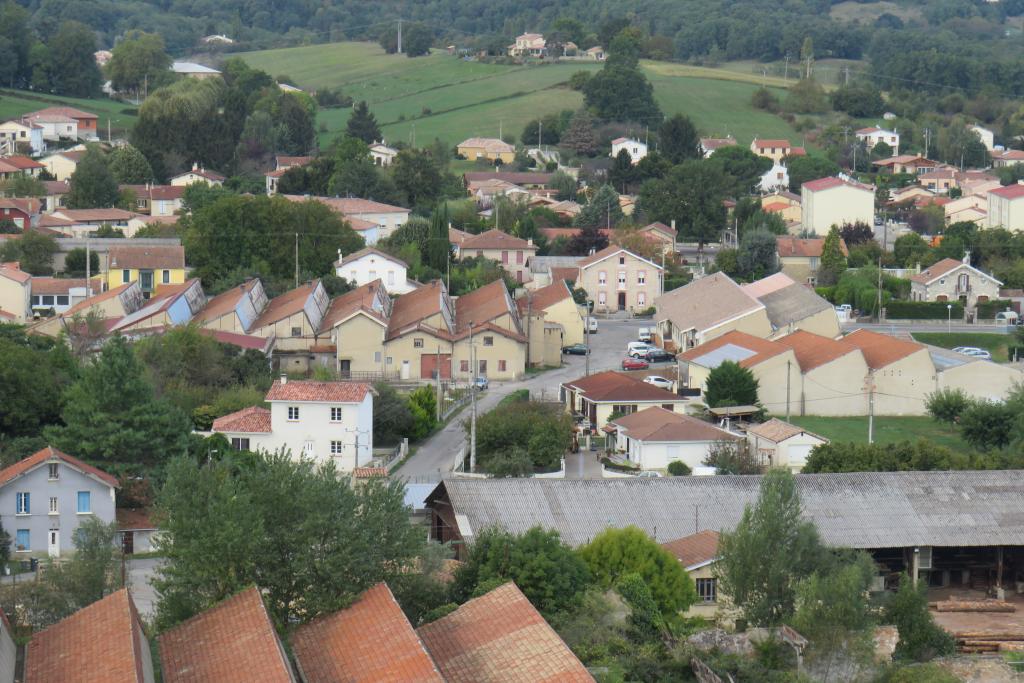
{"points": [[854, 510]]}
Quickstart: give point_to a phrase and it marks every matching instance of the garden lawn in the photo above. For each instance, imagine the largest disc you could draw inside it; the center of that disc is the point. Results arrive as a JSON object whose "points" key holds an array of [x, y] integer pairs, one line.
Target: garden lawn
{"points": [[887, 430], [996, 344]]}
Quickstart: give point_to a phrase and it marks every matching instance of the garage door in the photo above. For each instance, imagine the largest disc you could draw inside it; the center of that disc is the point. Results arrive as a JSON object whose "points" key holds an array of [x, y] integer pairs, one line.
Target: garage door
{"points": [[430, 362], [798, 454]]}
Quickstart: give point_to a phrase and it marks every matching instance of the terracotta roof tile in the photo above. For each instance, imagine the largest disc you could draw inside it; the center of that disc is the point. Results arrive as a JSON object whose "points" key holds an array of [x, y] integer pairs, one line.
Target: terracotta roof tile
{"points": [[101, 642], [695, 549], [87, 304], [39, 457], [349, 205], [1009, 192], [134, 519], [813, 350], [22, 162], [224, 303], [500, 637], [545, 297], [610, 250], [413, 307], [517, 178], [767, 143], [148, 257], [13, 271], [232, 642], [95, 215], [881, 350], [69, 112], [659, 425], [369, 642], [705, 302], [937, 270], [777, 431], [289, 303], [790, 247], [309, 390], [492, 145], [55, 285], [251, 420], [359, 299], [482, 305], [761, 349], [495, 239], [615, 386]]}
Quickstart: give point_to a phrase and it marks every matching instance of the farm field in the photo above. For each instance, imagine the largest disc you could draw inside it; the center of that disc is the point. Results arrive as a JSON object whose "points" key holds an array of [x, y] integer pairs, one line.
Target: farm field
{"points": [[448, 98], [887, 430], [14, 103]]}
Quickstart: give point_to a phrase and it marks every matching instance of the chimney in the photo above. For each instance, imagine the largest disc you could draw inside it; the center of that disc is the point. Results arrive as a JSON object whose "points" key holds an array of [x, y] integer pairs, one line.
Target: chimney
{"points": [[284, 378], [967, 257], [673, 224], [529, 241]]}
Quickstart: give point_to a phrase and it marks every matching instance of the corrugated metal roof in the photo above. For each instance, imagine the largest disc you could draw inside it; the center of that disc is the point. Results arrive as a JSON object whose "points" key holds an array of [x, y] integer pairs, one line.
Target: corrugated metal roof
{"points": [[854, 510], [731, 352]]}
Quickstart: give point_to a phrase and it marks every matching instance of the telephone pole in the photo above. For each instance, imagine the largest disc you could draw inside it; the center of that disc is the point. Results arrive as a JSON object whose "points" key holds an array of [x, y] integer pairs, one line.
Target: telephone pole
{"points": [[399, 36], [785, 76], [296, 259], [927, 139], [437, 363], [871, 406], [88, 271], [472, 399], [788, 363]]}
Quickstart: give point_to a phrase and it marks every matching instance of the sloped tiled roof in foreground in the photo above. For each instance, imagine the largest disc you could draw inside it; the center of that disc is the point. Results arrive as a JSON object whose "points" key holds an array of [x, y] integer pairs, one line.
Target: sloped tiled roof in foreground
{"points": [[500, 638], [851, 510]]}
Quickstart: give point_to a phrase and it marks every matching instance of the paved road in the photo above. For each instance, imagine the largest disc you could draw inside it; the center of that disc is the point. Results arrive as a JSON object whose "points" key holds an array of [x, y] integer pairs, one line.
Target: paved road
{"points": [[892, 328], [140, 574], [435, 456]]}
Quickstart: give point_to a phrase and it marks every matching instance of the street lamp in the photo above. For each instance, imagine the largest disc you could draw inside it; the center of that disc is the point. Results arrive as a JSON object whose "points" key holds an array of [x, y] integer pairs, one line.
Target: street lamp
{"points": [[586, 336], [949, 318]]}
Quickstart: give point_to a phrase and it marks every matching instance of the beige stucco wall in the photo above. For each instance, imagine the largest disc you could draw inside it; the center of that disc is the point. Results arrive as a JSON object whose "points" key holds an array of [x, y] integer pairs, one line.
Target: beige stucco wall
{"points": [[518, 260], [356, 340], [604, 410], [707, 610], [473, 153], [835, 206], [981, 379], [15, 298], [1006, 213], [282, 329], [800, 268], [638, 297], [824, 323], [771, 380], [901, 387], [835, 388], [754, 323], [570, 316], [59, 166], [228, 322], [791, 453], [948, 286]]}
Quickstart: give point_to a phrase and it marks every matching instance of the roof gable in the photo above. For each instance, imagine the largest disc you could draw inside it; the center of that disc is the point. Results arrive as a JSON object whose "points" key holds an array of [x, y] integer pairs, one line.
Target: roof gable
{"points": [[813, 350], [656, 424], [705, 303], [608, 252], [881, 350], [696, 549], [48, 454], [777, 431], [322, 392], [944, 268], [610, 386]]}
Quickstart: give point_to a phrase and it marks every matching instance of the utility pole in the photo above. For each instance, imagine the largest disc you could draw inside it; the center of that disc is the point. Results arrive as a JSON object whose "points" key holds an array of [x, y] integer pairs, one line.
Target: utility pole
{"points": [[927, 139], [586, 336], [88, 271], [871, 406], [472, 398], [399, 36], [296, 259], [540, 134], [847, 70], [500, 122], [788, 363], [880, 289], [785, 77], [448, 264], [437, 367]]}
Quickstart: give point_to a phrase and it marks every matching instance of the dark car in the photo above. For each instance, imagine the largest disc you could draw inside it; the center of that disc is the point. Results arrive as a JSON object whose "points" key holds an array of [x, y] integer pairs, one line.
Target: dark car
{"points": [[634, 364], [658, 356], [576, 349]]}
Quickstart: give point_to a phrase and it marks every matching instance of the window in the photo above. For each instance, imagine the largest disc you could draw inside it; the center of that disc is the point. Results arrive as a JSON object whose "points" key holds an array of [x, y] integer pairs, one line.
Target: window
{"points": [[483, 367], [502, 366], [519, 257], [335, 414], [47, 299], [166, 277], [641, 277], [488, 341], [239, 444], [622, 279], [390, 360], [463, 366], [504, 257], [707, 590], [602, 277], [417, 343], [35, 299], [335, 448], [296, 331], [601, 298], [376, 356], [293, 413], [391, 277], [373, 275], [641, 298], [23, 503], [22, 541], [54, 471], [126, 275], [63, 300], [622, 260], [84, 503]]}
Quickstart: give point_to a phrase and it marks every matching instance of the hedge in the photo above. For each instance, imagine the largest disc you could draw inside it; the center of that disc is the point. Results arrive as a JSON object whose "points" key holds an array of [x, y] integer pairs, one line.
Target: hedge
{"points": [[923, 310], [988, 310]]}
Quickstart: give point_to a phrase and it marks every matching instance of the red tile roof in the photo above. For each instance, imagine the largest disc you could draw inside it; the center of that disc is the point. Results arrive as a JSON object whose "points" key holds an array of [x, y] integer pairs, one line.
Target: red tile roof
{"points": [[763, 348], [615, 386], [134, 519], [232, 642], [310, 390], [796, 247], [251, 420], [359, 299], [369, 642], [500, 637], [545, 297], [659, 425], [516, 178], [101, 642], [813, 350], [778, 431], [55, 285], [69, 112], [695, 549], [1009, 192], [22, 162], [349, 205], [610, 250], [828, 183], [288, 304], [482, 305], [496, 239], [49, 453], [762, 144], [937, 270], [13, 271], [148, 257], [881, 350], [225, 302], [413, 307]]}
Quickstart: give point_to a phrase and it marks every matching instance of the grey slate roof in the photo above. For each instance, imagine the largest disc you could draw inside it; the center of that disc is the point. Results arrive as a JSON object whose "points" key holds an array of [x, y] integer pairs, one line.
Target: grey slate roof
{"points": [[792, 304], [853, 510]]}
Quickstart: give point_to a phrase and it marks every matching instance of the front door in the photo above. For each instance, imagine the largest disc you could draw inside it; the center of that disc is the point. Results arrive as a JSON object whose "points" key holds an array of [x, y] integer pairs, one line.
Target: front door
{"points": [[622, 301], [53, 543], [405, 369]]}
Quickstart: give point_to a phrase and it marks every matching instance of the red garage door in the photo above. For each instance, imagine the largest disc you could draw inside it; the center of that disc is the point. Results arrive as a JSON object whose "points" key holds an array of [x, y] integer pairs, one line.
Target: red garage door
{"points": [[429, 363]]}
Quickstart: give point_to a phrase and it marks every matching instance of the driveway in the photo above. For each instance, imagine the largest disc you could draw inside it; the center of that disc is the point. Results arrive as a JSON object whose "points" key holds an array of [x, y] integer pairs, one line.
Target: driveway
{"points": [[434, 457], [140, 575]]}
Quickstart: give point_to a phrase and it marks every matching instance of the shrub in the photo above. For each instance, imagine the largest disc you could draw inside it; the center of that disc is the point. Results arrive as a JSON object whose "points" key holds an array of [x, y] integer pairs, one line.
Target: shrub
{"points": [[988, 309], [947, 405], [920, 638], [678, 468], [765, 99]]}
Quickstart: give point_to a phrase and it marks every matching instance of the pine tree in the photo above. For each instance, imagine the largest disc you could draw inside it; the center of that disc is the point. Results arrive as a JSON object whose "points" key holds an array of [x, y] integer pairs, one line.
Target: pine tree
{"points": [[580, 136], [438, 249], [362, 124], [678, 139], [833, 262]]}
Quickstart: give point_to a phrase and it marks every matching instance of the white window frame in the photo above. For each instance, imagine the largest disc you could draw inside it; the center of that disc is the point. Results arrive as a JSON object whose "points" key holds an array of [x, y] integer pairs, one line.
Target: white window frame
{"points": [[336, 413], [53, 471], [602, 277], [337, 448], [54, 505], [293, 410], [641, 277], [20, 500]]}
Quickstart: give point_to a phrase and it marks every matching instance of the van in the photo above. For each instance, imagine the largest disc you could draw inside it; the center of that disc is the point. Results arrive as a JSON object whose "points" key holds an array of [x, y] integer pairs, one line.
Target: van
{"points": [[639, 349], [645, 334], [591, 323]]}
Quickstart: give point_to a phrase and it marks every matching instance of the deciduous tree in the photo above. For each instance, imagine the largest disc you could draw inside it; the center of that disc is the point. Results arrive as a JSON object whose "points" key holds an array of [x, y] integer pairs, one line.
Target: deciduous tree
{"points": [[138, 60], [129, 166], [92, 184], [833, 261]]}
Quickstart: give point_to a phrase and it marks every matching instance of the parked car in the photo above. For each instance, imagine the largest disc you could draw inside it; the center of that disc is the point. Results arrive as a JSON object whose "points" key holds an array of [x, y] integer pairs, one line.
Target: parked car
{"points": [[645, 335], [1007, 318], [576, 350], [658, 356], [634, 364], [649, 474], [638, 349], [480, 384], [973, 352], [591, 323], [659, 382]]}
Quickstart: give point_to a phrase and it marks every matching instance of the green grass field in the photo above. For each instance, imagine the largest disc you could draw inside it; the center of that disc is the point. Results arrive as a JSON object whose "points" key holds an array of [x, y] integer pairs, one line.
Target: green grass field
{"points": [[996, 344], [887, 430], [452, 99], [14, 103]]}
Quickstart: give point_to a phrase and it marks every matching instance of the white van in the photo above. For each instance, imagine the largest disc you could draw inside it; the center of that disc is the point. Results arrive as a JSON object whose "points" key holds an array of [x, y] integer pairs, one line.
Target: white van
{"points": [[591, 323], [638, 349], [645, 335]]}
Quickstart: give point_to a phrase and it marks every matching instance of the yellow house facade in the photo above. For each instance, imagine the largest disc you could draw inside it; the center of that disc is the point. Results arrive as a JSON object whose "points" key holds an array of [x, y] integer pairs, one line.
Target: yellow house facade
{"points": [[698, 554], [150, 266], [15, 293], [487, 148], [113, 303]]}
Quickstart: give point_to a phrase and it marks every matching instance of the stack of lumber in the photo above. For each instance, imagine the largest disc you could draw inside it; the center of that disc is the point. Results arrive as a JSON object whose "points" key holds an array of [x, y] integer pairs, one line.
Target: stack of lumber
{"points": [[953, 605], [973, 642]]}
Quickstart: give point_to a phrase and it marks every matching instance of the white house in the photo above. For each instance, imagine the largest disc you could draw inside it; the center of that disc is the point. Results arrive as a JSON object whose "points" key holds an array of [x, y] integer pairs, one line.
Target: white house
{"points": [[988, 138], [322, 421], [873, 135], [1006, 208], [381, 154], [775, 179], [781, 444], [198, 174], [13, 133], [369, 264], [654, 437], [634, 148], [834, 201]]}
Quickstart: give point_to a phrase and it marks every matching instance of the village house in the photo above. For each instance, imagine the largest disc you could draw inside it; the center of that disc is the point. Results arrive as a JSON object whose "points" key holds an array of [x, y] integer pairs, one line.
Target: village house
{"points": [[784, 203], [915, 194], [82, 222], [156, 200], [56, 192], [616, 279], [511, 252], [17, 164], [834, 201], [776, 150], [873, 135], [193, 70], [905, 163], [550, 310], [1006, 208], [952, 280], [707, 308], [599, 396], [486, 191], [168, 306], [57, 294], [1001, 158], [987, 137], [373, 220], [654, 437], [235, 310], [775, 179], [698, 553], [15, 293], [105, 641], [528, 180], [661, 235], [233, 640], [137, 533], [64, 122], [832, 379], [318, 421], [979, 379], [780, 444], [197, 174], [634, 148], [293, 320], [487, 148], [382, 155], [369, 264], [901, 372], [800, 258], [939, 180], [595, 53], [282, 164], [149, 265], [109, 306], [709, 146], [23, 212], [546, 270], [46, 496], [791, 306], [62, 164], [528, 45], [22, 136]]}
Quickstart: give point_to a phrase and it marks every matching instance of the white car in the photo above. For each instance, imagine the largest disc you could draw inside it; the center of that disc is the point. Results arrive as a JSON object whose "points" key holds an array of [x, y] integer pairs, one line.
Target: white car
{"points": [[659, 382], [973, 352], [638, 349]]}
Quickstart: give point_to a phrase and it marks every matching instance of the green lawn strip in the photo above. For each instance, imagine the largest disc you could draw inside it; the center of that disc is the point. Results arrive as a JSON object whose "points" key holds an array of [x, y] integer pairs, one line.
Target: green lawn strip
{"points": [[996, 344], [887, 430]]}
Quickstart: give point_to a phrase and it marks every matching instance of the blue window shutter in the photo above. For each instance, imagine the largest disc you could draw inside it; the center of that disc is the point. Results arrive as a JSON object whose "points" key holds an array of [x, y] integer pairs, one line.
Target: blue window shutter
{"points": [[84, 504], [23, 539]]}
